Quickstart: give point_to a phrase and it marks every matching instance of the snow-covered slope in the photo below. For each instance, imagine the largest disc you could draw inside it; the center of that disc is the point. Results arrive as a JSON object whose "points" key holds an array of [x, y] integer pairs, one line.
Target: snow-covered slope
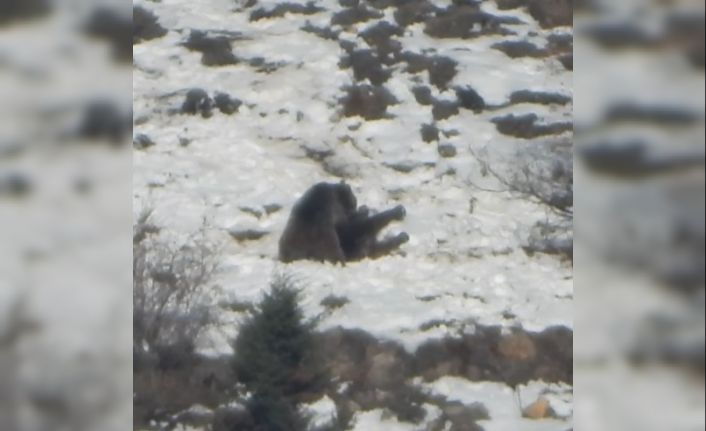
{"points": [[464, 264]]}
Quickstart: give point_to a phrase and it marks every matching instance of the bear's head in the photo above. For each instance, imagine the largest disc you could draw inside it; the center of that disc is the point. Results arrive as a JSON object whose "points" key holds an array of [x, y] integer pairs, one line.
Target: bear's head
{"points": [[346, 197]]}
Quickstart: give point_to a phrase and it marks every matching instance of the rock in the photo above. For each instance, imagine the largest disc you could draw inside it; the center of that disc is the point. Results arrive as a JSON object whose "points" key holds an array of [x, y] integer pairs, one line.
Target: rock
{"points": [[340, 166], [560, 43], [460, 414], [620, 35], [282, 9], [686, 30], [451, 133], [469, 98], [422, 95], [242, 235], [261, 65], [406, 166], [587, 6], [450, 367], [555, 345], [385, 370], [325, 33], [366, 65], [633, 159], [226, 104], [429, 133], [370, 365], [519, 48], [23, 9], [349, 3], [379, 36], [333, 302], [142, 141], [354, 15], [526, 127], [369, 102], [510, 4], [215, 50], [346, 353], [517, 347], [271, 208], [403, 401], [438, 358], [540, 409], [114, 27], [254, 211], [382, 4], [444, 109], [103, 120], [441, 71], [478, 356], [197, 101], [446, 150], [539, 97], [664, 116], [552, 13], [145, 25], [413, 11], [317, 151], [464, 22], [416, 63]]}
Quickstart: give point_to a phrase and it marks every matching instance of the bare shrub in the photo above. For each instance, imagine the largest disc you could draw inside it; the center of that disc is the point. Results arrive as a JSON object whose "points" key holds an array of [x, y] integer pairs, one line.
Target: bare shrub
{"points": [[171, 305], [543, 173]]}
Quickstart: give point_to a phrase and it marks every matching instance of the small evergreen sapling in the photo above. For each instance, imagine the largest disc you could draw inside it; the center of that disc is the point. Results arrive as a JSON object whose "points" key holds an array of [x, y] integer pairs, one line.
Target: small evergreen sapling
{"points": [[277, 359]]}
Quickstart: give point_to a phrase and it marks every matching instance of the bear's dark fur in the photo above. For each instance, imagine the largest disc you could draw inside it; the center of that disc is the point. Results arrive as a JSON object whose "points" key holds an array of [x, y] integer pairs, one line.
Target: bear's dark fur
{"points": [[358, 236], [326, 225], [311, 231]]}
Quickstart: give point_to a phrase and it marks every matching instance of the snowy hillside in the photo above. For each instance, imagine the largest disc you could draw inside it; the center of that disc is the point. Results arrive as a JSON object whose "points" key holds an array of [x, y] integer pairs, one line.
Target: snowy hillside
{"points": [[424, 104]]}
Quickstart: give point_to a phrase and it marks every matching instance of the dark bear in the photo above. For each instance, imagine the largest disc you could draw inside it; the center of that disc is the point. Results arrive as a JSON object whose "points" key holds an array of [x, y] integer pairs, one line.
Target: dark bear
{"points": [[326, 225], [312, 229], [358, 237]]}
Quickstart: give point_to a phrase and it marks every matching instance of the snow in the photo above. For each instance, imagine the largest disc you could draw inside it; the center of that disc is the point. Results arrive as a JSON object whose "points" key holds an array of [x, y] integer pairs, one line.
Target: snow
{"points": [[471, 262], [502, 402], [322, 412], [378, 420], [217, 175]]}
